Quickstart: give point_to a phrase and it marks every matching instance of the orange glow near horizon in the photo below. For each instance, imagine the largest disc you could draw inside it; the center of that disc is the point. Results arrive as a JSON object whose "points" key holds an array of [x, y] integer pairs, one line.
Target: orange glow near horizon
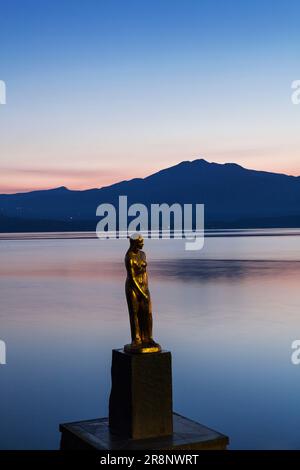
{"points": [[18, 180]]}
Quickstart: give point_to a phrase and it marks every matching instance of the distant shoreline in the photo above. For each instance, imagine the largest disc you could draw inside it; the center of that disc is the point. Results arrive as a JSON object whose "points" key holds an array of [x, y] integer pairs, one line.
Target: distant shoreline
{"points": [[210, 233]]}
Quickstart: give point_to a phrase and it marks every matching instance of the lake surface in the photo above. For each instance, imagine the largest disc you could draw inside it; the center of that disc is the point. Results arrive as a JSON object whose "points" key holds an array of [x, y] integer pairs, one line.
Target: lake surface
{"points": [[228, 313]]}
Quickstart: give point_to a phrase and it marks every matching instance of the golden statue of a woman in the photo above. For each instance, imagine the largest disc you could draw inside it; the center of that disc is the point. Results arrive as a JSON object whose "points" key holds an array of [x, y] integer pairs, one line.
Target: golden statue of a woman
{"points": [[138, 299]]}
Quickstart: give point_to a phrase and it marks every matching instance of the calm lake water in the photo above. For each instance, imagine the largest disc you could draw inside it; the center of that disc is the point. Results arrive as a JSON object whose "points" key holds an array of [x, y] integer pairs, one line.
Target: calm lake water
{"points": [[228, 313]]}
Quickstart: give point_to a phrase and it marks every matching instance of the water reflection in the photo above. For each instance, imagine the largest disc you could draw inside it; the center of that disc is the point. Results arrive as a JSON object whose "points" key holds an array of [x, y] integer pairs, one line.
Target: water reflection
{"points": [[208, 270], [63, 309]]}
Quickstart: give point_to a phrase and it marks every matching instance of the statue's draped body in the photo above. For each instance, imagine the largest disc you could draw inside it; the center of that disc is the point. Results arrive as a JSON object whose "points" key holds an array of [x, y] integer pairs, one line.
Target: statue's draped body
{"points": [[138, 299]]}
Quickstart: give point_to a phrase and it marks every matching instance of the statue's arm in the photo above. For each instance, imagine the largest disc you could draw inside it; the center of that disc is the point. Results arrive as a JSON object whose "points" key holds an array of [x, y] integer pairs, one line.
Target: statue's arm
{"points": [[132, 275]]}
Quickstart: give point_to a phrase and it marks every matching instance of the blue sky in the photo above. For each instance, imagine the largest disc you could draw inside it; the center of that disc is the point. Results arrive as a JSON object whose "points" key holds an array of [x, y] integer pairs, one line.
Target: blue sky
{"points": [[99, 91]]}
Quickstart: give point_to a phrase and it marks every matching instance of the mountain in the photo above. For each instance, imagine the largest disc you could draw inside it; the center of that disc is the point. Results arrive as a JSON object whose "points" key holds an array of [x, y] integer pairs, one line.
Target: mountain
{"points": [[233, 196]]}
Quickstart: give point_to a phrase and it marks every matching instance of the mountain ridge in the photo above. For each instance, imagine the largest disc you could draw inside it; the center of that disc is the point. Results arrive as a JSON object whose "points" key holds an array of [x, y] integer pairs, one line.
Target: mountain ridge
{"points": [[229, 191]]}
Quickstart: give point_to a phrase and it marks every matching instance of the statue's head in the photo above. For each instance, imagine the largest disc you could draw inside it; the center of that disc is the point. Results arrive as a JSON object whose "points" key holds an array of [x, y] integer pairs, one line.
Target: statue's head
{"points": [[136, 241]]}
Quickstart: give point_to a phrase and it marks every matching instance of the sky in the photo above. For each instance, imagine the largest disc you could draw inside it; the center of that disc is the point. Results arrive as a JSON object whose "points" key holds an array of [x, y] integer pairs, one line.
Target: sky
{"points": [[99, 91]]}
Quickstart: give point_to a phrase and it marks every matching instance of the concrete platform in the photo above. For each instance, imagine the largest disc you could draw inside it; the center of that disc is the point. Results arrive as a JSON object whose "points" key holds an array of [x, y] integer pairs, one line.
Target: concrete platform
{"points": [[95, 435]]}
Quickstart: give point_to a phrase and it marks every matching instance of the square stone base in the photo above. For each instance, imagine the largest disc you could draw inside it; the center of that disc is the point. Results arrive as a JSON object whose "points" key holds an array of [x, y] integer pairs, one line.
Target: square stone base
{"points": [[95, 435], [140, 404]]}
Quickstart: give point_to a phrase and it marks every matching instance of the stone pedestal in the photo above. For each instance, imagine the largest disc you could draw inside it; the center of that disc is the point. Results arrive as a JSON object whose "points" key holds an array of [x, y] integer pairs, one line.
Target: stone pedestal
{"points": [[140, 412], [140, 405]]}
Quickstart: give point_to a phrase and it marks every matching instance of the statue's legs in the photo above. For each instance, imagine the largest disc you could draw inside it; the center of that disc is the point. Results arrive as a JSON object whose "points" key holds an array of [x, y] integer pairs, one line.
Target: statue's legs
{"points": [[140, 315], [145, 320], [133, 308]]}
